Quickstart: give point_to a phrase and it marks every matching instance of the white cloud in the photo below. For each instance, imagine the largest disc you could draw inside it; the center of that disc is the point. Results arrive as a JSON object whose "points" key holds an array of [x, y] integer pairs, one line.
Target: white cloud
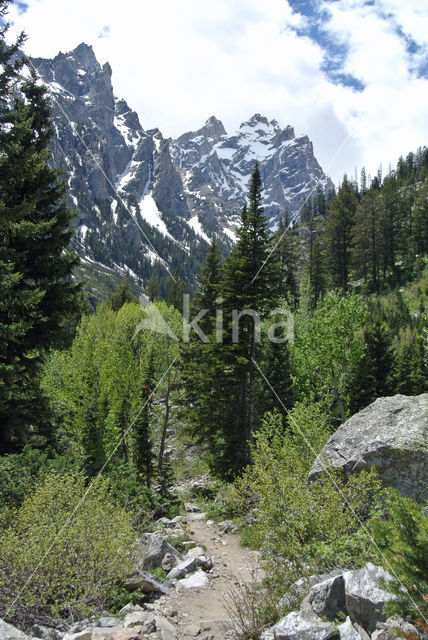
{"points": [[177, 63]]}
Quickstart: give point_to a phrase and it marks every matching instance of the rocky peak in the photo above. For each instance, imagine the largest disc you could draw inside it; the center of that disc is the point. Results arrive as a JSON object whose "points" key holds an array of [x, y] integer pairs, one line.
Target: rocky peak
{"points": [[259, 125], [213, 128], [84, 56]]}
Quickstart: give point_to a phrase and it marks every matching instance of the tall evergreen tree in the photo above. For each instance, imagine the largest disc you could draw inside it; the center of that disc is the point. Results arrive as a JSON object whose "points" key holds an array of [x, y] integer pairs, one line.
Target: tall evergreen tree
{"points": [[209, 288], [251, 282], [287, 248], [121, 296], [339, 234], [37, 293], [143, 445], [366, 242]]}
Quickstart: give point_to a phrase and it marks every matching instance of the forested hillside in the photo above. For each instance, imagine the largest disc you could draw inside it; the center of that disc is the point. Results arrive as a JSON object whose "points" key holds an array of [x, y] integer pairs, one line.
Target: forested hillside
{"points": [[105, 411]]}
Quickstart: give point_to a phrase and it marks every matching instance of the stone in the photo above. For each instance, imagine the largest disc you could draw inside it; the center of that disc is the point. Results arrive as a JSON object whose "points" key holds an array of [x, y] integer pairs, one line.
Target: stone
{"points": [[364, 597], [45, 633], [169, 561], [147, 584], [300, 588], [196, 517], [193, 630], [129, 608], [326, 599], [393, 628], [361, 632], [295, 626], [347, 631], [154, 547], [198, 580], [195, 551], [86, 634], [104, 632], [191, 508], [135, 619], [108, 621], [125, 634], [9, 632], [391, 435], [165, 629], [183, 568]]}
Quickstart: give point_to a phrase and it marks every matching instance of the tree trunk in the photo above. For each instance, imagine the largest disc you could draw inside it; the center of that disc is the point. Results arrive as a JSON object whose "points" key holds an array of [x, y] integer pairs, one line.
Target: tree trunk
{"points": [[166, 421], [338, 397], [251, 408]]}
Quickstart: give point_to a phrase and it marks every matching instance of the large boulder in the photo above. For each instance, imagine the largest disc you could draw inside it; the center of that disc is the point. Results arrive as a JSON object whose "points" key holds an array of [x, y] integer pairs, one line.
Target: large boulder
{"points": [[152, 551], [364, 596], [326, 599], [391, 435], [147, 584], [8, 632], [296, 626]]}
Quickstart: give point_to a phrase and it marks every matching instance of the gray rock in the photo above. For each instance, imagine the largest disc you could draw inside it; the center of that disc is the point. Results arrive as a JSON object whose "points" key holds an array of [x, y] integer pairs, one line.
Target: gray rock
{"points": [[196, 517], [147, 584], [347, 631], [198, 580], [86, 634], [300, 588], [129, 608], [191, 508], [326, 599], [104, 632], [391, 434], [169, 561], [361, 632], [8, 632], [108, 621], [45, 633], [295, 626], [153, 549], [395, 627], [364, 598], [189, 565], [165, 629]]}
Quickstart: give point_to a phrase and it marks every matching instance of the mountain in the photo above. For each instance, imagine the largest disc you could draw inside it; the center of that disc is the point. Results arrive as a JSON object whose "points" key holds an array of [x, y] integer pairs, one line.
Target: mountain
{"points": [[145, 203]]}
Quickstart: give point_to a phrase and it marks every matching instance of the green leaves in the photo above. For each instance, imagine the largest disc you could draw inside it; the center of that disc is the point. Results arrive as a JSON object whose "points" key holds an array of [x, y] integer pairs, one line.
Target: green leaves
{"points": [[327, 345], [402, 540], [66, 549]]}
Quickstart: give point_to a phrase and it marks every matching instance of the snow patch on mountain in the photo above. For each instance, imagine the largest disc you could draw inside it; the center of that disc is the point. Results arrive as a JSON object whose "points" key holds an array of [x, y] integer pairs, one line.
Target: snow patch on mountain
{"points": [[197, 228], [151, 214]]}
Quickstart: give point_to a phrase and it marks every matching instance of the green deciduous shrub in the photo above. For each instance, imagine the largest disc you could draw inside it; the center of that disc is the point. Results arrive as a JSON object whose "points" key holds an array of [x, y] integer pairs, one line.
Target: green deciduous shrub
{"points": [[301, 528], [64, 552], [403, 544]]}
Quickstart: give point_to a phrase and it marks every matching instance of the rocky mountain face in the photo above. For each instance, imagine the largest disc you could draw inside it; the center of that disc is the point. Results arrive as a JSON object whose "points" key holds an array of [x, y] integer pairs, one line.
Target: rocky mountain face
{"points": [[146, 203]]}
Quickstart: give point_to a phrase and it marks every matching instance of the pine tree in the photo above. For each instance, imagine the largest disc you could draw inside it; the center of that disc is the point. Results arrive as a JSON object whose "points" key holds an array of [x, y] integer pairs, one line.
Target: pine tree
{"points": [[287, 249], [143, 445], [339, 234], [366, 242], [37, 294], [420, 228], [204, 403], [209, 288], [251, 282], [121, 296], [153, 288], [176, 292]]}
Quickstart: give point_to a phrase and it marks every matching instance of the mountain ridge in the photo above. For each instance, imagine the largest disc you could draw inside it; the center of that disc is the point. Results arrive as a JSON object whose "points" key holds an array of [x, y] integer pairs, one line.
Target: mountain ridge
{"points": [[146, 202]]}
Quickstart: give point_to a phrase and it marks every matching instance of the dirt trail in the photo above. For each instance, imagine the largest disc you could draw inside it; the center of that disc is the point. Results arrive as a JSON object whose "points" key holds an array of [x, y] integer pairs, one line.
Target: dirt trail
{"points": [[202, 613]]}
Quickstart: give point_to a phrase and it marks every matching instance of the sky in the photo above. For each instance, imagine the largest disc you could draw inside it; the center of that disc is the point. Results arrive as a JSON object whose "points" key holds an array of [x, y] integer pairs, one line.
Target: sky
{"points": [[351, 74]]}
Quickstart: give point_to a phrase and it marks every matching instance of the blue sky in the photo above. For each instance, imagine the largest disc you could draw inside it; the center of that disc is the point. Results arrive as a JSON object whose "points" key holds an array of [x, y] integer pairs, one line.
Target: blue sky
{"points": [[352, 74]]}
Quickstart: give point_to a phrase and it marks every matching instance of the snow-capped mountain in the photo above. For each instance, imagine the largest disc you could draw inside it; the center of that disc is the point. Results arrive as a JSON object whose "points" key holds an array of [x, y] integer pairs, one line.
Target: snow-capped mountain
{"points": [[147, 203], [216, 168]]}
